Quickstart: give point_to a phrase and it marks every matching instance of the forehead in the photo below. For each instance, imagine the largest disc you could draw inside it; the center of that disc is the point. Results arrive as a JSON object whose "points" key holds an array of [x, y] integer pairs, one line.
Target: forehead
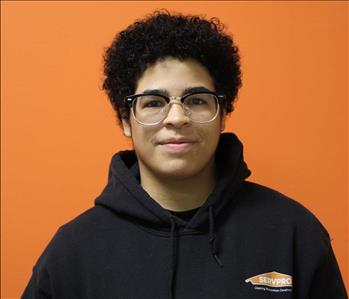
{"points": [[175, 76]]}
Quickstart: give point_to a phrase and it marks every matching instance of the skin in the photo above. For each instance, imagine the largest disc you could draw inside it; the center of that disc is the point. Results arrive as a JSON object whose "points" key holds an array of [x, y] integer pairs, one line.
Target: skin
{"points": [[178, 176]]}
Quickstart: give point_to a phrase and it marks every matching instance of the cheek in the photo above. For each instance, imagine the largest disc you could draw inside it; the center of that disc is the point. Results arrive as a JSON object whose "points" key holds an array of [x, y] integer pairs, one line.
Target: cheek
{"points": [[211, 137], [213, 132], [142, 138]]}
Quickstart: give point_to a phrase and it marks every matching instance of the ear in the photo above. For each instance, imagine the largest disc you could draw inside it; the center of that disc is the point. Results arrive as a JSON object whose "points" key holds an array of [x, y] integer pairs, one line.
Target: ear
{"points": [[126, 127], [223, 118]]}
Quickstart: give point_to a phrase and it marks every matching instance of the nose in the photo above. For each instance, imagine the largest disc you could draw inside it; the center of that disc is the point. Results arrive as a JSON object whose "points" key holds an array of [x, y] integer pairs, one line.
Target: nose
{"points": [[176, 116]]}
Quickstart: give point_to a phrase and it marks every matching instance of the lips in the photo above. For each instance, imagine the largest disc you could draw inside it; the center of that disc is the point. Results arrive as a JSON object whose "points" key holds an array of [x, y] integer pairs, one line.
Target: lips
{"points": [[178, 145], [176, 141]]}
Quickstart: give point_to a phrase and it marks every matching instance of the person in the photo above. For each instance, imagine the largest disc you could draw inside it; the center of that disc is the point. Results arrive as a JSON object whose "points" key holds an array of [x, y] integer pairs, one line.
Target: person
{"points": [[178, 218]]}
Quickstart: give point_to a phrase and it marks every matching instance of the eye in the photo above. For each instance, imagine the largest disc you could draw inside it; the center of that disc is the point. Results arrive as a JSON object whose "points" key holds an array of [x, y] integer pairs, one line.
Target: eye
{"points": [[195, 101], [153, 104], [146, 102]]}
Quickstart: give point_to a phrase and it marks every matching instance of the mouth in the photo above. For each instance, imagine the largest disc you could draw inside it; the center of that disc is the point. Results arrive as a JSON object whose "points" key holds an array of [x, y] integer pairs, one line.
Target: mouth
{"points": [[178, 145]]}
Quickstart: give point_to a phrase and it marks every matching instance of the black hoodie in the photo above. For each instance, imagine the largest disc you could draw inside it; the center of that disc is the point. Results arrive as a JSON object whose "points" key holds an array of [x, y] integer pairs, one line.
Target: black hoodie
{"points": [[246, 241]]}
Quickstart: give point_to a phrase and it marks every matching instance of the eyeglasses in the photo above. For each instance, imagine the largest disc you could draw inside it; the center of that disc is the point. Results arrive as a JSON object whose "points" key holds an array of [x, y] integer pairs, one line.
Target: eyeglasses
{"points": [[152, 108]]}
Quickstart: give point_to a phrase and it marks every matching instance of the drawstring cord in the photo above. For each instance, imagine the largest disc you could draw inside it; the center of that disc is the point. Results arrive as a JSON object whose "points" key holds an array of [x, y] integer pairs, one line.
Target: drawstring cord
{"points": [[213, 238], [173, 259]]}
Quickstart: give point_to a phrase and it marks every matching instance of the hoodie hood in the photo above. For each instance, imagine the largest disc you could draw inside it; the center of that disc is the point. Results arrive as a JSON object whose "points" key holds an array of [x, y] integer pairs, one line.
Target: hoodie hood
{"points": [[125, 196]]}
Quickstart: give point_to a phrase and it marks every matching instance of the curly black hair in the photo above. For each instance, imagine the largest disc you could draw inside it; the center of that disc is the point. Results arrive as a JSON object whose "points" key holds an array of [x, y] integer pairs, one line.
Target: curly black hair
{"points": [[160, 35]]}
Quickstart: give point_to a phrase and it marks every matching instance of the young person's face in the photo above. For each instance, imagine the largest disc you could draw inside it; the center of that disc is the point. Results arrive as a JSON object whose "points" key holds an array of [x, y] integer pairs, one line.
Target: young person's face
{"points": [[154, 143]]}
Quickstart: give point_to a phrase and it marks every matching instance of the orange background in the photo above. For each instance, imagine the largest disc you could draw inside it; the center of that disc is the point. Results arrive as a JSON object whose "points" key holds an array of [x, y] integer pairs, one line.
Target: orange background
{"points": [[59, 131]]}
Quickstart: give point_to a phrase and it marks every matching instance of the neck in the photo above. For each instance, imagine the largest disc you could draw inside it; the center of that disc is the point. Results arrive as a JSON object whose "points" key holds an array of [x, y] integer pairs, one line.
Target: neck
{"points": [[179, 194]]}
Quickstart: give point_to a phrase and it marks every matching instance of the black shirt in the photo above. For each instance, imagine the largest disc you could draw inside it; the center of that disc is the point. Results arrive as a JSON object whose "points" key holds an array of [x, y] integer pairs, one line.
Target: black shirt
{"points": [[185, 215]]}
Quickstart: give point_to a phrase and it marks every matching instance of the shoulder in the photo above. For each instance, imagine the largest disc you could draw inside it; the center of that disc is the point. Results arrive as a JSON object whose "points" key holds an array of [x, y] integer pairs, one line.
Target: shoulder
{"points": [[266, 215], [269, 206], [96, 217], [80, 232], [89, 224], [268, 200]]}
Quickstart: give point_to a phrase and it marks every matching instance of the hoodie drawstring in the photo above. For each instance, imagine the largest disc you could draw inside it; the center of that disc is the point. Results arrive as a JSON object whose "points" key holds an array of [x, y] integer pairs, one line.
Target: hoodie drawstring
{"points": [[213, 238], [173, 259]]}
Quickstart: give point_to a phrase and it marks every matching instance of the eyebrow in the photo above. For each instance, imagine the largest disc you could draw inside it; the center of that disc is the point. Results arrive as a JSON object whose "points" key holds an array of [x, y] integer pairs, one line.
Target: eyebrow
{"points": [[185, 91]]}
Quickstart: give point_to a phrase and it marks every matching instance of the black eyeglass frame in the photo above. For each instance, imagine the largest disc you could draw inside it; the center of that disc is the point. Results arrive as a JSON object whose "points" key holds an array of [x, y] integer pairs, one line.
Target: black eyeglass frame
{"points": [[130, 99]]}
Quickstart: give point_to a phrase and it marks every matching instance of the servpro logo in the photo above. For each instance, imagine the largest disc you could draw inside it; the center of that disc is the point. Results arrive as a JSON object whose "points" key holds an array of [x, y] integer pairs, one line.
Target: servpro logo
{"points": [[271, 279]]}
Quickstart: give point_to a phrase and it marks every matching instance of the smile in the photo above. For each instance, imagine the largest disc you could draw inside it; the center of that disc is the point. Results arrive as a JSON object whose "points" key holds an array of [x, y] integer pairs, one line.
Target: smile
{"points": [[178, 146]]}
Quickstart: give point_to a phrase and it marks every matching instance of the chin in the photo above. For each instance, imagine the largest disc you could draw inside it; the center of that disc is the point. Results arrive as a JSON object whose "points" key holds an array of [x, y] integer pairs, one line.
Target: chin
{"points": [[176, 175], [178, 170]]}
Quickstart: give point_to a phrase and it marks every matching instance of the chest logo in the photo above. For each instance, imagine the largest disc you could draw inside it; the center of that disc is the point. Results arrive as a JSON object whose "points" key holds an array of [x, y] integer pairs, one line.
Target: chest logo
{"points": [[271, 279]]}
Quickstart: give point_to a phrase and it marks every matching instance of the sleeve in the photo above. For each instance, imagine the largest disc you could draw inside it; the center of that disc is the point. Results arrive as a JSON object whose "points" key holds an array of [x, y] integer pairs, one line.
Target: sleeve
{"points": [[38, 286], [327, 281], [316, 271]]}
